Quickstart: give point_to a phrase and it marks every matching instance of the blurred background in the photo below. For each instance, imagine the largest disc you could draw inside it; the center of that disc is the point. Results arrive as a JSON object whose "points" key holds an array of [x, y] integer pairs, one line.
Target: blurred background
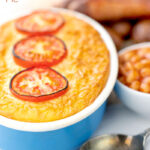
{"points": [[127, 21]]}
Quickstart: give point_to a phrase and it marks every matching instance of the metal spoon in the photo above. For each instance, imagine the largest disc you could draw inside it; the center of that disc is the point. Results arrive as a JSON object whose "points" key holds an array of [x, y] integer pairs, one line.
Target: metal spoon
{"points": [[117, 142]]}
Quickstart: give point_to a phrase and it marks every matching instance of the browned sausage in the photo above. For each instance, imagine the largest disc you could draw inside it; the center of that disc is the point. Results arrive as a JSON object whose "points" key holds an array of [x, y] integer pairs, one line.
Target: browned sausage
{"points": [[122, 28], [115, 37], [78, 5], [141, 31], [110, 10]]}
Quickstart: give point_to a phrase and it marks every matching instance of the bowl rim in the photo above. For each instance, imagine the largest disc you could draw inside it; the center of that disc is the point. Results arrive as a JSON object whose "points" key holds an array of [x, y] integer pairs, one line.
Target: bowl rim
{"points": [[130, 48], [59, 124]]}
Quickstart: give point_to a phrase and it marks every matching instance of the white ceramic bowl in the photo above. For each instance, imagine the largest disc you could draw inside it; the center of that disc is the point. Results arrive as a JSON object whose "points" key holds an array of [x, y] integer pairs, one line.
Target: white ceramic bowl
{"points": [[137, 101]]}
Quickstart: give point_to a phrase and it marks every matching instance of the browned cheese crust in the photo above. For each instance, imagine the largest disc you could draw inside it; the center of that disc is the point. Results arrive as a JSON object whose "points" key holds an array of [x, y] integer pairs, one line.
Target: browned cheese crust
{"points": [[86, 67]]}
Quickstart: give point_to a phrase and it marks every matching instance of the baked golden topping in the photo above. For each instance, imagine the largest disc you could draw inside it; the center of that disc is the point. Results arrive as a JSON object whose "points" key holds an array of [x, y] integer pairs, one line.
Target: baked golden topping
{"points": [[86, 68]]}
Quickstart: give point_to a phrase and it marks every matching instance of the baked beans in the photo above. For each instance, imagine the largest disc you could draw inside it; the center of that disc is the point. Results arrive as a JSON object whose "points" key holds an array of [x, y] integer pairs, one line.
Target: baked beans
{"points": [[134, 69]]}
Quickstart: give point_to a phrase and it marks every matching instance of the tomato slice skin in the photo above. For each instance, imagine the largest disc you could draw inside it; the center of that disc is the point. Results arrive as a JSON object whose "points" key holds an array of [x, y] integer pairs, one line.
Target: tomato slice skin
{"points": [[23, 50], [29, 24], [14, 84]]}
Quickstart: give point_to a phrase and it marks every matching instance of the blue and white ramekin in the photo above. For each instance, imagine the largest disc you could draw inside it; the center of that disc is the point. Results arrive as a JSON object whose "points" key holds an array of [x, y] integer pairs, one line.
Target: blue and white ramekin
{"points": [[68, 133]]}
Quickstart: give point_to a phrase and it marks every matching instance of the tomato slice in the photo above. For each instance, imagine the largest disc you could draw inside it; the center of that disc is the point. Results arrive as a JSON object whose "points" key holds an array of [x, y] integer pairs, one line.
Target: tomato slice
{"points": [[38, 84], [40, 22], [39, 50]]}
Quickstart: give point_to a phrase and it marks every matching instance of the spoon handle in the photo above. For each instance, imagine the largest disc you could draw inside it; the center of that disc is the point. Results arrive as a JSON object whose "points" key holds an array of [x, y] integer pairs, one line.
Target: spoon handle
{"points": [[145, 135]]}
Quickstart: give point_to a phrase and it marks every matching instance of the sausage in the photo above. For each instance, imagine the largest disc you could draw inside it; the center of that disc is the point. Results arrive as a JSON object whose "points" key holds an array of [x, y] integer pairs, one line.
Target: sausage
{"points": [[78, 5], [141, 31], [115, 37], [122, 28], [111, 10]]}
